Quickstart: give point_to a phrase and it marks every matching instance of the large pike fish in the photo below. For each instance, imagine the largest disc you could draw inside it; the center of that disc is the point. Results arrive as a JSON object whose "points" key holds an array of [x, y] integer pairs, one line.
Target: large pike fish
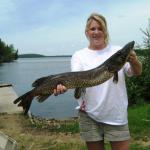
{"points": [[44, 86]]}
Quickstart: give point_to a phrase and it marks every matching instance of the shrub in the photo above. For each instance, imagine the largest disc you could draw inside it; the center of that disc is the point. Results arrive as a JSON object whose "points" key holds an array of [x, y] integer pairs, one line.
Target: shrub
{"points": [[138, 88]]}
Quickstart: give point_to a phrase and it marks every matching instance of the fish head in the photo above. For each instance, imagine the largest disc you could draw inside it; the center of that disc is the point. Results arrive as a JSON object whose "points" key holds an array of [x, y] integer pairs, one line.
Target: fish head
{"points": [[120, 57], [125, 51]]}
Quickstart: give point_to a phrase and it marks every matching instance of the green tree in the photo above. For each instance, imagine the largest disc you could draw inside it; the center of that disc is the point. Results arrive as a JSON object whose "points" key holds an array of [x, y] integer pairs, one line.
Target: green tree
{"points": [[139, 87], [146, 38], [7, 52]]}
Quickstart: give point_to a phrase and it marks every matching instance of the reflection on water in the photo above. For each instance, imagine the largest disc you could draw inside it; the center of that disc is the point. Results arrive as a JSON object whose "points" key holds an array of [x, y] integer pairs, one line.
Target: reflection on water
{"points": [[24, 71]]}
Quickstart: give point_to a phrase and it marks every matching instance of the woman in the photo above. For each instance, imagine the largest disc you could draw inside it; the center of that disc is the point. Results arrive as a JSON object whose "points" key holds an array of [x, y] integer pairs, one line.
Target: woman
{"points": [[102, 108]]}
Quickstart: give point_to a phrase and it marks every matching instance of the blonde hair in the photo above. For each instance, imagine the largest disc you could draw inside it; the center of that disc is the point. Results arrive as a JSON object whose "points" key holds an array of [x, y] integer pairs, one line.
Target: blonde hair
{"points": [[102, 21]]}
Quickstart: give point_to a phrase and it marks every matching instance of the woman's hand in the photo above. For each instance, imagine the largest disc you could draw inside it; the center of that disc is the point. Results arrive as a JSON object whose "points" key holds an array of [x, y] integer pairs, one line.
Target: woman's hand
{"points": [[133, 57], [60, 89], [136, 66]]}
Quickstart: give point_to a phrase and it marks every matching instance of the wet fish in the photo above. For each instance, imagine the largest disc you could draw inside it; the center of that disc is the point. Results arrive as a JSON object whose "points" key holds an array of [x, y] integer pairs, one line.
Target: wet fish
{"points": [[44, 87]]}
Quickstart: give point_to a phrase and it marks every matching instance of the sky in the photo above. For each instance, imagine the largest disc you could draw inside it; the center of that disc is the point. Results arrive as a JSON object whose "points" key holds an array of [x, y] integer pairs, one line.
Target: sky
{"points": [[56, 27]]}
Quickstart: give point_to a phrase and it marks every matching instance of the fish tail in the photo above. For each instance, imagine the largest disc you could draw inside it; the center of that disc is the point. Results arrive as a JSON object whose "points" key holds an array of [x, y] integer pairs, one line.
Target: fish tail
{"points": [[25, 101]]}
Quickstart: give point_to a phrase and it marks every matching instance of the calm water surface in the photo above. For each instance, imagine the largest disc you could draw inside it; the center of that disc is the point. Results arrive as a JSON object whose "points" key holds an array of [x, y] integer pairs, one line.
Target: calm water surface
{"points": [[24, 71]]}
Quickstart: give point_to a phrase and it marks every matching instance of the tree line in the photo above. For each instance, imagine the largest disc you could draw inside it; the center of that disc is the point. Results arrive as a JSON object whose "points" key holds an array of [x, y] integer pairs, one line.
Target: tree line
{"points": [[7, 52], [138, 87]]}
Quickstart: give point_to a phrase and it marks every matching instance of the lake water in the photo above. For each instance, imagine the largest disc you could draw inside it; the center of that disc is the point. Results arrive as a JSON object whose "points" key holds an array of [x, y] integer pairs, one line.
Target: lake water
{"points": [[22, 72]]}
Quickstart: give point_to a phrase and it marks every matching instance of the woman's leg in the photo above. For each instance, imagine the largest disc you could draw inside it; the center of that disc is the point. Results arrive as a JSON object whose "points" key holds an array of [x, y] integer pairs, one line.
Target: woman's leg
{"points": [[120, 145], [118, 135], [98, 145], [91, 132]]}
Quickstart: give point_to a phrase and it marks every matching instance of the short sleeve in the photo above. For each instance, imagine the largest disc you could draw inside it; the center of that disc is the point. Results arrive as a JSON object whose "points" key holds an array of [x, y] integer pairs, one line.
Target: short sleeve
{"points": [[76, 63]]}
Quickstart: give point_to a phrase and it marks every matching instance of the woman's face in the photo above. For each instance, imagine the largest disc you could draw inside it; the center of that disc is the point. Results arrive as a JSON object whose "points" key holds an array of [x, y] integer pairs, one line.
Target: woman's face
{"points": [[95, 35]]}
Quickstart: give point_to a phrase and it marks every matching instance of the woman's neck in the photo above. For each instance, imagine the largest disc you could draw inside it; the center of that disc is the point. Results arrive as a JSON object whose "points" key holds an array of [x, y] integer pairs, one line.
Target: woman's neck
{"points": [[97, 47]]}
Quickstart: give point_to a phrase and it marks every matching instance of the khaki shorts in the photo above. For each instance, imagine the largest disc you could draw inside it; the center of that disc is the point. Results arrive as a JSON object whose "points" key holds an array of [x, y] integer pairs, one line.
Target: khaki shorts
{"points": [[91, 130]]}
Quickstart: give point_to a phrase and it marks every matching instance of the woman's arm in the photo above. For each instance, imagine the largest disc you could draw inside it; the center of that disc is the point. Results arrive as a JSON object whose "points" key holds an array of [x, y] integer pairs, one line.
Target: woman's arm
{"points": [[136, 66]]}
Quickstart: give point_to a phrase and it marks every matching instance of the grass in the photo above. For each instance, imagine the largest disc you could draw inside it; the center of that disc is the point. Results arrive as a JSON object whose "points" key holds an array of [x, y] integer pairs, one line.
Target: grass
{"points": [[66, 136], [139, 124], [139, 120]]}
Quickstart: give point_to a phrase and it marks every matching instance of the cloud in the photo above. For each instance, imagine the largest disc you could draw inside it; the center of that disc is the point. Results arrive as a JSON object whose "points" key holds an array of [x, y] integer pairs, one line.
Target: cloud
{"points": [[7, 8], [57, 27]]}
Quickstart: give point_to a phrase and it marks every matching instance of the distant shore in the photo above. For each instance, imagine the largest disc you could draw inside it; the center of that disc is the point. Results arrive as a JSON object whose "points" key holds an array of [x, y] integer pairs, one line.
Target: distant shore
{"points": [[39, 55]]}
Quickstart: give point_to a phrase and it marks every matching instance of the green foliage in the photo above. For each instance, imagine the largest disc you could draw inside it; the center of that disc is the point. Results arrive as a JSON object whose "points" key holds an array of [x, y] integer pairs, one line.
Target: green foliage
{"points": [[139, 120], [7, 52], [139, 86], [139, 147], [146, 38], [139, 124]]}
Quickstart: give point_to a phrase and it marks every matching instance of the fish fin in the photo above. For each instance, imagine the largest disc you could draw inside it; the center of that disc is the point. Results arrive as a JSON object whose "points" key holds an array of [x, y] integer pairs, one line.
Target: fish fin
{"points": [[42, 98], [25, 101], [40, 80], [78, 92], [115, 79]]}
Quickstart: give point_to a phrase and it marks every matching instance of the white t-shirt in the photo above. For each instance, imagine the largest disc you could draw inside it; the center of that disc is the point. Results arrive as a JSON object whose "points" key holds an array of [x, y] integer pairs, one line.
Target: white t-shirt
{"points": [[107, 102]]}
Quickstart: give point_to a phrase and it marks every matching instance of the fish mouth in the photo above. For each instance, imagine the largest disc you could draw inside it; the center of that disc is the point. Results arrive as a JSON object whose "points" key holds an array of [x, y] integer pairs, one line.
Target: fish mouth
{"points": [[131, 45], [128, 48]]}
